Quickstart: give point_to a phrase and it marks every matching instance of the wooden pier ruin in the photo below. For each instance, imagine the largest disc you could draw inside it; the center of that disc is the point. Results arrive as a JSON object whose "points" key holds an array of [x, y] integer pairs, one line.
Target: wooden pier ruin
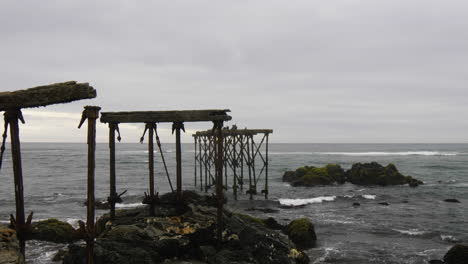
{"points": [[219, 152], [177, 118], [243, 158], [12, 103]]}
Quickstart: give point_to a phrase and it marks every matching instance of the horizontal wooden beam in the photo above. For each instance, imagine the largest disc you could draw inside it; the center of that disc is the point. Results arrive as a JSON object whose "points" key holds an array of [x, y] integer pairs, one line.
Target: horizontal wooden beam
{"points": [[233, 132], [166, 116], [46, 95]]}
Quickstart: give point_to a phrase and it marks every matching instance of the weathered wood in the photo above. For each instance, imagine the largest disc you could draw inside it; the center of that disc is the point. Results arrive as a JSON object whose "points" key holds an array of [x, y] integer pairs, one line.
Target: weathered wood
{"points": [[166, 116], [46, 95], [233, 132], [91, 113], [12, 117]]}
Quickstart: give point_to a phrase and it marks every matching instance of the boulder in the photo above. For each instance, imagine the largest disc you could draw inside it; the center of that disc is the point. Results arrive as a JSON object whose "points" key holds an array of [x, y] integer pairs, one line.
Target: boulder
{"points": [[53, 230], [375, 174], [9, 247], [458, 254], [312, 176], [301, 231]]}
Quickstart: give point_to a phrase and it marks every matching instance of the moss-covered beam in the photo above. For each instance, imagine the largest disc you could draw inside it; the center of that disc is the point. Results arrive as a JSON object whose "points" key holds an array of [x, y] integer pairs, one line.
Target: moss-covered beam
{"points": [[166, 116], [56, 93]]}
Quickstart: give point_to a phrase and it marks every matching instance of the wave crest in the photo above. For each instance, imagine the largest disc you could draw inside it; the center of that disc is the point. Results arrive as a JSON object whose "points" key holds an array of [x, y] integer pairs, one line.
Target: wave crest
{"points": [[298, 202]]}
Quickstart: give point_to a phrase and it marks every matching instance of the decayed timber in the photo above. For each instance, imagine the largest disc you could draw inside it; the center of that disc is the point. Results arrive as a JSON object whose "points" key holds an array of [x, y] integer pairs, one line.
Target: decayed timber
{"points": [[46, 95], [232, 132], [166, 116]]}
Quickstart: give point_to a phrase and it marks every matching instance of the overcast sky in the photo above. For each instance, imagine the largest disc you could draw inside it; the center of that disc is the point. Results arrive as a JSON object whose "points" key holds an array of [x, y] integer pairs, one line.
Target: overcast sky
{"points": [[314, 71]]}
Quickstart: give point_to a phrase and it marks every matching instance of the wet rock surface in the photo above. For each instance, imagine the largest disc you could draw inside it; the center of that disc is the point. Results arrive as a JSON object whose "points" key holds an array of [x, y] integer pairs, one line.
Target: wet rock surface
{"points": [[458, 254], [9, 247], [185, 231], [360, 174]]}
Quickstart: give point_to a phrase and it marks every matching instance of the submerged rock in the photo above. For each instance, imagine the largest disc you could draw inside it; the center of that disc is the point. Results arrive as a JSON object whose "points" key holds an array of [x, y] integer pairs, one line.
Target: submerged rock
{"points": [[451, 200], [302, 233], [458, 254], [186, 230], [312, 176], [9, 247]]}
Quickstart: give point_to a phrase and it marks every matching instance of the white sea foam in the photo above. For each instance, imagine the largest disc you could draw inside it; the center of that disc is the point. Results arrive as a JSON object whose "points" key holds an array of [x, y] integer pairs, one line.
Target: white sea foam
{"points": [[368, 196], [402, 153], [449, 238], [372, 153], [131, 205], [297, 202], [411, 232]]}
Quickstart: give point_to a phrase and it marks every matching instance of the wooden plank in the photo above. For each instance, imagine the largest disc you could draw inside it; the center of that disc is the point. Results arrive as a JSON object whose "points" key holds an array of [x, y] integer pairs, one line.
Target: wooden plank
{"points": [[46, 95], [233, 132], [166, 116]]}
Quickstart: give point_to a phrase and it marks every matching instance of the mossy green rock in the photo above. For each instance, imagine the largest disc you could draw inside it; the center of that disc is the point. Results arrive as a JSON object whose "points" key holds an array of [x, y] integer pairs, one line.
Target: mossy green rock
{"points": [[53, 230], [312, 176], [375, 174], [302, 232], [458, 254], [9, 247]]}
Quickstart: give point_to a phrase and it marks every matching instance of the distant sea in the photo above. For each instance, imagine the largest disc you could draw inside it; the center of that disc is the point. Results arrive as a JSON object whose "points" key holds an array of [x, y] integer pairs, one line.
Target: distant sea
{"points": [[415, 226]]}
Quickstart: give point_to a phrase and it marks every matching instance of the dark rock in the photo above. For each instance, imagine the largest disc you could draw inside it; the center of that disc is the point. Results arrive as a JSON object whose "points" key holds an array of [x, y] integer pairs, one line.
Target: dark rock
{"points": [[356, 204], [384, 203], [435, 261], [451, 200], [60, 255], [188, 236], [9, 247], [302, 233], [264, 210], [312, 176], [458, 254], [375, 174], [53, 230], [271, 223]]}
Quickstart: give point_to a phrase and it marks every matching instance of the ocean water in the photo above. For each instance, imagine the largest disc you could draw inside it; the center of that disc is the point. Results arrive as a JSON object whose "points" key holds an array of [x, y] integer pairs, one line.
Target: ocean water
{"points": [[415, 227]]}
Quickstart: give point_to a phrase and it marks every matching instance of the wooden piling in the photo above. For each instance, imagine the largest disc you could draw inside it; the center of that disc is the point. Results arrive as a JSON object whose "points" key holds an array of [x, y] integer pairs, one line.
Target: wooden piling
{"points": [[113, 192], [219, 179], [12, 117], [91, 113], [151, 127], [177, 126]]}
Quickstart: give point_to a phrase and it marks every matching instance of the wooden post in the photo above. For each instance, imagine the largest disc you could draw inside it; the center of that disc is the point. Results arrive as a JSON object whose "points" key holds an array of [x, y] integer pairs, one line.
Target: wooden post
{"points": [[195, 161], [91, 113], [200, 163], [266, 168], [12, 117], [177, 126], [218, 126], [151, 127], [113, 193]]}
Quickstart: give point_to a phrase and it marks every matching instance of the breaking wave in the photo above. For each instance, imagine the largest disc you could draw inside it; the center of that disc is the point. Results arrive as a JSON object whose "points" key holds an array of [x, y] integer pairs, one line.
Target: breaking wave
{"points": [[297, 202]]}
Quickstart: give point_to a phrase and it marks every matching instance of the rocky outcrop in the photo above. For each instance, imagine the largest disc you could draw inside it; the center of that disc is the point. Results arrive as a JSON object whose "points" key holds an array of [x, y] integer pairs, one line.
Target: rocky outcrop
{"points": [[53, 230], [302, 233], [9, 247], [458, 254], [360, 174], [186, 230], [375, 174], [313, 176]]}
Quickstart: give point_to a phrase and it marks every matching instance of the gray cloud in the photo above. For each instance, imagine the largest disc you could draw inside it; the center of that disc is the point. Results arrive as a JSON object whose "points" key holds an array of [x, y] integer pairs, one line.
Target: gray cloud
{"points": [[327, 71]]}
